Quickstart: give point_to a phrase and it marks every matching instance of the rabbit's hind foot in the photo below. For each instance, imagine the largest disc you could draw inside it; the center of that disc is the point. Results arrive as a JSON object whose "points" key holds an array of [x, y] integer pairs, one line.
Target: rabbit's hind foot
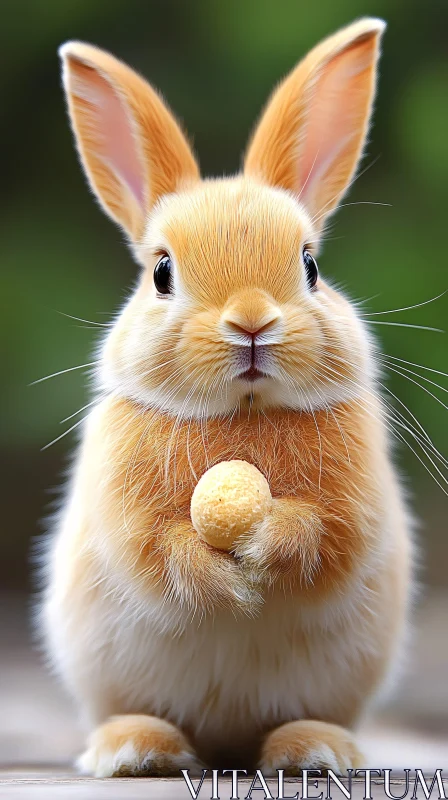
{"points": [[309, 744], [137, 745]]}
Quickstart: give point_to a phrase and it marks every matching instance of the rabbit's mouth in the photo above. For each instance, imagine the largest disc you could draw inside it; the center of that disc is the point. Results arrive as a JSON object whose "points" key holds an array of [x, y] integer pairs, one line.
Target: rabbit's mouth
{"points": [[254, 362], [252, 374]]}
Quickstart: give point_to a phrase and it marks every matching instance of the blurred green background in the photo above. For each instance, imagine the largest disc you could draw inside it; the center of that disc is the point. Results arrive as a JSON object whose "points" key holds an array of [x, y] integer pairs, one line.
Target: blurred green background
{"points": [[215, 62]]}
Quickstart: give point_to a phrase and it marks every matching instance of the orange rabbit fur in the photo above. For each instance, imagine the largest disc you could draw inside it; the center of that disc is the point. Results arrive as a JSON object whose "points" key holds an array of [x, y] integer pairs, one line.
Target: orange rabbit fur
{"points": [[231, 347]]}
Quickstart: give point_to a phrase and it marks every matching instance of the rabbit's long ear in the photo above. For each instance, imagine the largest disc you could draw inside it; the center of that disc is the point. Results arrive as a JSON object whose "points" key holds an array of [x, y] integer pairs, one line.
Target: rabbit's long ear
{"points": [[311, 135], [131, 147]]}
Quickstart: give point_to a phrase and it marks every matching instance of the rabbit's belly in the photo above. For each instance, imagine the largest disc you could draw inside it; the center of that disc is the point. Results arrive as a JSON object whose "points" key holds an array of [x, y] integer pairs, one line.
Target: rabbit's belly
{"points": [[233, 679]]}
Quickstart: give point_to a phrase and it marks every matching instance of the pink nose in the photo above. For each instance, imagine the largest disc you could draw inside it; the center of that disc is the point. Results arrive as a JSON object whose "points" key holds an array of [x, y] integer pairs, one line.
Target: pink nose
{"points": [[247, 329], [252, 317]]}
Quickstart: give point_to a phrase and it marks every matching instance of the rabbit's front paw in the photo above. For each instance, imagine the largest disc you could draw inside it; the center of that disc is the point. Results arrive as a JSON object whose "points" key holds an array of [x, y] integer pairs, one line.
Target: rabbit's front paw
{"points": [[199, 576], [308, 744], [137, 745], [284, 545]]}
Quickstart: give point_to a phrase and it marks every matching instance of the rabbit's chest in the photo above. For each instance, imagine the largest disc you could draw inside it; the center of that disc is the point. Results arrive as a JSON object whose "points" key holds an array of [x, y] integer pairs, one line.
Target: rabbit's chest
{"points": [[163, 457], [286, 447]]}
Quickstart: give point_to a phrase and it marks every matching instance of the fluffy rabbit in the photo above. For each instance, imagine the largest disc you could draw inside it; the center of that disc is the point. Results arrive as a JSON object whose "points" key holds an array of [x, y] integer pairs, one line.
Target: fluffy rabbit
{"points": [[230, 347]]}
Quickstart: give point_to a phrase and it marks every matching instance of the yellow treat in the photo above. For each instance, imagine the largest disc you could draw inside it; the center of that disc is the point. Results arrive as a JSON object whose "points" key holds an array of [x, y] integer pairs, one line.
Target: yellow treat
{"points": [[228, 499]]}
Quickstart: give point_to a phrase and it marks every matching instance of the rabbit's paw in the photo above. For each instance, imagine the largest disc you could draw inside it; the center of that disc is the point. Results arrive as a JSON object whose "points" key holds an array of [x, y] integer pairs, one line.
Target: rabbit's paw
{"points": [[137, 746], [284, 545], [309, 744]]}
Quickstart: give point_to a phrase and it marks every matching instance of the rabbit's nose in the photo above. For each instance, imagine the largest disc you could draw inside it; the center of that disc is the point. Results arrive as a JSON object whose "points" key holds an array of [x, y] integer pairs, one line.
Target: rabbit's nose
{"points": [[252, 318], [246, 328]]}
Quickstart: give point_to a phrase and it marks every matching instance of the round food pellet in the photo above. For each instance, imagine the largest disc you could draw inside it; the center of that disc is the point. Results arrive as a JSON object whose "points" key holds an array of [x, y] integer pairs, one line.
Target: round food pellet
{"points": [[228, 499]]}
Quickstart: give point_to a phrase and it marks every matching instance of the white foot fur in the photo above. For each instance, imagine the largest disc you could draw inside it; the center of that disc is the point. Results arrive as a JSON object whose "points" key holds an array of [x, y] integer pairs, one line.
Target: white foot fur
{"points": [[137, 745], [309, 744]]}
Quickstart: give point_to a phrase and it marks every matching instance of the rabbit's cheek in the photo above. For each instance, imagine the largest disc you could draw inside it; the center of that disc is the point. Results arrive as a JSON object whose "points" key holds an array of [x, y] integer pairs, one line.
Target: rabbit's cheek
{"points": [[302, 347], [114, 355], [201, 344]]}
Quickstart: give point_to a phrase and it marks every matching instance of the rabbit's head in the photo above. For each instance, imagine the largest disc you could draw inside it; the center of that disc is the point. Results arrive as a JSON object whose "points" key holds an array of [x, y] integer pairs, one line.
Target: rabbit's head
{"points": [[229, 308]]}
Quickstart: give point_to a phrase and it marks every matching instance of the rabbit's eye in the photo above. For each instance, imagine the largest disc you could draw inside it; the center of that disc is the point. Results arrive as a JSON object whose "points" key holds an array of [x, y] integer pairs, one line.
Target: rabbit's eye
{"points": [[311, 268], [162, 276]]}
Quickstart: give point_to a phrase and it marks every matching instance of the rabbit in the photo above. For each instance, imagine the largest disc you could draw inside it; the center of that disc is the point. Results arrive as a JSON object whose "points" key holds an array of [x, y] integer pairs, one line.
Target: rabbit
{"points": [[231, 346]]}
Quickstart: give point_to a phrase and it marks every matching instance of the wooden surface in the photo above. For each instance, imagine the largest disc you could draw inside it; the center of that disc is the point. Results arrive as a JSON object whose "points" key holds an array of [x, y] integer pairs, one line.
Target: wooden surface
{"points": [[51, 785], [39, 736]]}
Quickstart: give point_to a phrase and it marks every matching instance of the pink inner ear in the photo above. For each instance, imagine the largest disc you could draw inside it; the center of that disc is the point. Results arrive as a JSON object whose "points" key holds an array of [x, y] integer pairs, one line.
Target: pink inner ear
{"points": [[112, 133], [332, 120]]}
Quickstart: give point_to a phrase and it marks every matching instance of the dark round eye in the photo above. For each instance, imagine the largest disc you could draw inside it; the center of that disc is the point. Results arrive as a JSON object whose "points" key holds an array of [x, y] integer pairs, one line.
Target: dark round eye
{"points": [[162, 276], [311, 268]]}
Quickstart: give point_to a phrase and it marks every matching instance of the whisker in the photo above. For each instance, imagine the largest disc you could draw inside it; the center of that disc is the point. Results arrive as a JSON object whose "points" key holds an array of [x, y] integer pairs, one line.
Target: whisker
{"points": [[423, 444], [404, 325], [80, 410], [58, 438], [403, 439], [363, 301], [389, 426], [406, 308], [403, 405], [420, 435], [412, 364], [392, 414], [63, 371], [88, 321], [357, 203], [417, 374], [352, 182], [403, 375]]}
